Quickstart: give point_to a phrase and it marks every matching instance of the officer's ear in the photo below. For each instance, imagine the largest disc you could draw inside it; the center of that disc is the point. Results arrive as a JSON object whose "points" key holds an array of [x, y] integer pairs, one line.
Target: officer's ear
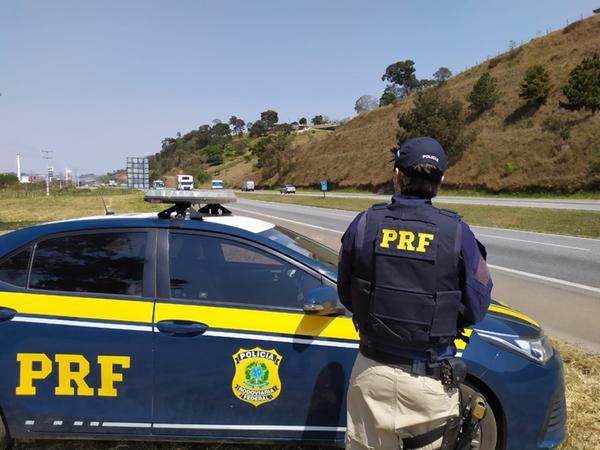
{"points": [[397, 177]]}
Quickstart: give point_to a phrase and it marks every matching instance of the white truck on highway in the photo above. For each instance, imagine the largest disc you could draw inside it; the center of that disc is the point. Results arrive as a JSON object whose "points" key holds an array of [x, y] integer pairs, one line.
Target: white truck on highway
{"points": [[248, 186], [185, 182]]}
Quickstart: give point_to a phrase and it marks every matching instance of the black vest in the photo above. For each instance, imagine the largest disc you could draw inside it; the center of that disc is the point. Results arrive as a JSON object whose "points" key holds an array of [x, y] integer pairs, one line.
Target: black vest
{"points": [[405, 284]]}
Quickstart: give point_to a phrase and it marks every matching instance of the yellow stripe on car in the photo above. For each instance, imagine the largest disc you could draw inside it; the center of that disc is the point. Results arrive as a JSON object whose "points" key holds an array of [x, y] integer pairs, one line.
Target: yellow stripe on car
{"points": [[261, 321], [78, 307], [511, 312]]}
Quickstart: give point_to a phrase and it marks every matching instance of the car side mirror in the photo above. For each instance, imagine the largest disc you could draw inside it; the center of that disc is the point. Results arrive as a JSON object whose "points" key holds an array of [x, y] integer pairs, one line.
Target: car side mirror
{"points": [[322, 301]]}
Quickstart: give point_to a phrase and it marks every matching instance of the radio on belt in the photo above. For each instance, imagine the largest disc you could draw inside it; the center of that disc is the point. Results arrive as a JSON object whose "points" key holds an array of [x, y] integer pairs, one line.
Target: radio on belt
{"points": [[191, 204]]}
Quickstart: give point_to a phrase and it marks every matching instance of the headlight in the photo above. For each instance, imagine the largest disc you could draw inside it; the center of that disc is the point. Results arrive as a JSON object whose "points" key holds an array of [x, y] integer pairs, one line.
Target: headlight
{"points": [[538, 349]]}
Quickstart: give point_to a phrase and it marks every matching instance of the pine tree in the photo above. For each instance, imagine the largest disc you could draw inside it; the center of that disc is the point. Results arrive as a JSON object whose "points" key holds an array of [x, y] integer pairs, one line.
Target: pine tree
{"points": [[484, 95], [583, 87], [536, 85]]}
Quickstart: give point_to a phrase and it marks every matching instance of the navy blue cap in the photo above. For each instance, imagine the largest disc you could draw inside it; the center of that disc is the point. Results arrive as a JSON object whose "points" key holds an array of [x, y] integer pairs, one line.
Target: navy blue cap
{"points": [[420, 150]]}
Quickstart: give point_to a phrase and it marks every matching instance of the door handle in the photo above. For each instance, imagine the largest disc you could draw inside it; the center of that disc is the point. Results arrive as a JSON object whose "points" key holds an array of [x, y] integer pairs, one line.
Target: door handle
{"points": [[7, 313], [181, 328]]}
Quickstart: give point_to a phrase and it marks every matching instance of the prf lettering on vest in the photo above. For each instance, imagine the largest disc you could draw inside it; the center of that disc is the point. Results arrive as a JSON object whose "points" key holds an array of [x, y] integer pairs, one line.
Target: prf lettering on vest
{"points": [[407, 240], [72, 371]]}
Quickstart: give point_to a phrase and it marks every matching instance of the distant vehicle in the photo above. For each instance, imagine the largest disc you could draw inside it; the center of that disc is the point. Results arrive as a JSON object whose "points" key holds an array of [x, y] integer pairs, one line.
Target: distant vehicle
{"points": [[112, 183], [185, 182], [217, 184], [158, 184], [248, 186], [287, 189]]}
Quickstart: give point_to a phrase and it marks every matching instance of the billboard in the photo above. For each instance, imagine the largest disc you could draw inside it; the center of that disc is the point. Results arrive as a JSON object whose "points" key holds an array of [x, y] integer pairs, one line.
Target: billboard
{"points": [[138, 173]]}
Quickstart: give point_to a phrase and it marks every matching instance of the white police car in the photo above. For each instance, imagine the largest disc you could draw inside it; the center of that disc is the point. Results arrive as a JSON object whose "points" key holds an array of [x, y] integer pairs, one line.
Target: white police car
{"points": [[201, 325]]}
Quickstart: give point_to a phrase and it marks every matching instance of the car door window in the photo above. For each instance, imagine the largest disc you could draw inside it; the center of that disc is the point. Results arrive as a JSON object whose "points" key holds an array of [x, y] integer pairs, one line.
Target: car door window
{"points": [[222, 270], [13, 270], [105, 263]]}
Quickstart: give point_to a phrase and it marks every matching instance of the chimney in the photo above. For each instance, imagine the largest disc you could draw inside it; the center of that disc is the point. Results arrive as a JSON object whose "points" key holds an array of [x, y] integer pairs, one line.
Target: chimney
{"points": [[19, 166]]}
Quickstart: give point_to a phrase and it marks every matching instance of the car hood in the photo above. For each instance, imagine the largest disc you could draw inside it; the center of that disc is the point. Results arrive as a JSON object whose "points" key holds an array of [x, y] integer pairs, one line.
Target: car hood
{"points": [[501, 318]]}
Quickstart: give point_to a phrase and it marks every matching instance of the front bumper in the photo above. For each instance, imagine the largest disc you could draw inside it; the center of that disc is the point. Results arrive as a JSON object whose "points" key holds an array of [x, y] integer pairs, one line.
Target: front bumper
{"points": [[532, 397]]}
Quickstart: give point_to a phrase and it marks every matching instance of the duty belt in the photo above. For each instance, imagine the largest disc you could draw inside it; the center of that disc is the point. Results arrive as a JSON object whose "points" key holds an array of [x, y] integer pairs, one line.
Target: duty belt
{"points": [[415, 367]]}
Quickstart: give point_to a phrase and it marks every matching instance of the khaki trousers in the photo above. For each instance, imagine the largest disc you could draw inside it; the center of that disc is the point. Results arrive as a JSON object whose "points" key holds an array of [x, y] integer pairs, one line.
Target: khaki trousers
{"points": [[387, 404]]}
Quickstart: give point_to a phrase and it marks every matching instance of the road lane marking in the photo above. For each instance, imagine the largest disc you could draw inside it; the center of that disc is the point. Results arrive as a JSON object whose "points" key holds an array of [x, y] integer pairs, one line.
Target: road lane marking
{"points": [[533, 242], [505, 269], [543, 278], [289, 220]]}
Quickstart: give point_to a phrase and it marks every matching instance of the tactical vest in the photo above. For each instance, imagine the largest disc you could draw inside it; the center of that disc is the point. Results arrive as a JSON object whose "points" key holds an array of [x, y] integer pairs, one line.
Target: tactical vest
{"points": [[405, 285]]}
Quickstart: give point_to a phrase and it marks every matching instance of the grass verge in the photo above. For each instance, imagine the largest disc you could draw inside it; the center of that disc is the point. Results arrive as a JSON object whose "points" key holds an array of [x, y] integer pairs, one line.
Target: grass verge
{"points": [[568, 222], [582, 381]]}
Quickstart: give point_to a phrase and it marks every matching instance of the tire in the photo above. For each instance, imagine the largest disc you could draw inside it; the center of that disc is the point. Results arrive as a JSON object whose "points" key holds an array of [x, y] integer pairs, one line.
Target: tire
{"points": [[4, 437], [487, 437]]}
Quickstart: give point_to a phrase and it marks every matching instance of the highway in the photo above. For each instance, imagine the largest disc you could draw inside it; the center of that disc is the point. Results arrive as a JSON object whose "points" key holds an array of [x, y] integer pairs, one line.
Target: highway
{"points": [[555, 279], [581, 205]]}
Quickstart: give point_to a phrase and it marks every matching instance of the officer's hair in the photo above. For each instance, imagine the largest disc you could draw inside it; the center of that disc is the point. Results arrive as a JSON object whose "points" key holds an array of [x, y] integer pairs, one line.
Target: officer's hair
{"points": [[422, 180]]}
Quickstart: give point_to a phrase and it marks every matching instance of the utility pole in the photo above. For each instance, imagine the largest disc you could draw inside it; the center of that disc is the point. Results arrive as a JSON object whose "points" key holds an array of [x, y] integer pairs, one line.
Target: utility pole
{"points": [[47, 155]]}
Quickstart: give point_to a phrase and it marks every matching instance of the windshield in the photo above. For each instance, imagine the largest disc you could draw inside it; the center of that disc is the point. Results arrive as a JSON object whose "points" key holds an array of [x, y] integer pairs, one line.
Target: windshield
{"points": [[303, 245]]}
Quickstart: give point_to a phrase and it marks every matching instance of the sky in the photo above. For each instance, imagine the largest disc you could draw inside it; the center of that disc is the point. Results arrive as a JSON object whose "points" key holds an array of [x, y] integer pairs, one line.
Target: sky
{"points": [[97, 81]]}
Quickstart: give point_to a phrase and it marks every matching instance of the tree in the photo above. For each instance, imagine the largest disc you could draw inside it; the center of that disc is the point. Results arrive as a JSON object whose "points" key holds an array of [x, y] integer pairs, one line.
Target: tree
{"points": [[214, 155], [258, 128], [433, 116], [441, 75], [8, 179], [391, 93], [237, 124], [484, 95], [402, 73], [302, 121], [272, 155], [269, 118], [317, 120], [583, 87], [536, 85], [365, 103]]}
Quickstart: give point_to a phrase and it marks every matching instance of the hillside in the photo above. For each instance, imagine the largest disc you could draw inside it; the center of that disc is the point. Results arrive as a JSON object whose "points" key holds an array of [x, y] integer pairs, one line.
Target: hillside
{"points": [[515, 148]]}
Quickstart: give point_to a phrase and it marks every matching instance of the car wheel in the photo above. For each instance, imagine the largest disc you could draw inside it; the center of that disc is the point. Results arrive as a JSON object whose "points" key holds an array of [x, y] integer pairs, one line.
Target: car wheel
{"points": [[486, 437], [4, 437]]}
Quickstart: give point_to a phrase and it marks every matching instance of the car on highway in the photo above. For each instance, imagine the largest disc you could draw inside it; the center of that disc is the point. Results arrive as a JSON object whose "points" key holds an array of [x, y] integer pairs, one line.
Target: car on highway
{"points": [[200, 325], [287, 189]]}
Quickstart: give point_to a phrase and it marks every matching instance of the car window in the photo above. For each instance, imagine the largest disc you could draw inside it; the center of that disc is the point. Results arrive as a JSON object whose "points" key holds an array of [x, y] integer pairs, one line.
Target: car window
{"points": [[104, 263], [13, 270], [213, 269]]}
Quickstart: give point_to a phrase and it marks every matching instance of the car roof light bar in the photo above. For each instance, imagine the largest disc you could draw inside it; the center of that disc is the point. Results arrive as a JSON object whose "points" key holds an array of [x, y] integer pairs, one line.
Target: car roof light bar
{"points": [[183, 202]]}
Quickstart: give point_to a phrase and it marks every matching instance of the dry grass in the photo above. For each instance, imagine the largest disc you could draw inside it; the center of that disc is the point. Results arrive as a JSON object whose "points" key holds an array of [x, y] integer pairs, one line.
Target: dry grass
{"points": [[582, 380]]}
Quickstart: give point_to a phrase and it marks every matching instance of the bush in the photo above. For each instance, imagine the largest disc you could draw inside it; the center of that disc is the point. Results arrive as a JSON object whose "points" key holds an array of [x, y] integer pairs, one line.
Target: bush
{"points": [[583, 87], [433, 116], [484, 95], [536, 85], [8, 180]]}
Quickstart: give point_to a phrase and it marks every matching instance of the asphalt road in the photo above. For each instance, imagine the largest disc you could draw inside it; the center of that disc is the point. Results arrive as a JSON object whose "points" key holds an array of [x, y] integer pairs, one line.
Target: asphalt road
{"points": [[582, 205], [555, 279]]}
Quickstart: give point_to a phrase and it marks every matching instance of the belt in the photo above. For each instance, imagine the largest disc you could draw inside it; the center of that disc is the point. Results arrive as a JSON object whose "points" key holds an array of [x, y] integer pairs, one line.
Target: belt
{"points": [[412, 366]]}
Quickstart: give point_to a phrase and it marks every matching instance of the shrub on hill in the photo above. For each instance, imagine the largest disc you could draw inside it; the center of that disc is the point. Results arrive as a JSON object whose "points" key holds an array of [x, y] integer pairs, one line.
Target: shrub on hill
{"points": [[484, 95], [536, 85], [433, 116], [583, 87]]}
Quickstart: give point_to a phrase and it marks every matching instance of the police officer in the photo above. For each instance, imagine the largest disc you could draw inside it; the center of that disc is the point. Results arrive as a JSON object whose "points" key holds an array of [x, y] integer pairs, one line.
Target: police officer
{"points": [[413, 276]]}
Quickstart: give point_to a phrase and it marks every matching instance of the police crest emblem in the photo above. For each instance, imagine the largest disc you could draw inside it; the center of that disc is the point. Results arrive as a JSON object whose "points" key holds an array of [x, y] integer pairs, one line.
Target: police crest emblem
{"points": [[256, 378]]}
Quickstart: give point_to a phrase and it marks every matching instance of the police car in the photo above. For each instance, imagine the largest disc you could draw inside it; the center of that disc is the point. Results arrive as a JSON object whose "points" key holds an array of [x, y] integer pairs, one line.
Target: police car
{"points": [[196, 324]]}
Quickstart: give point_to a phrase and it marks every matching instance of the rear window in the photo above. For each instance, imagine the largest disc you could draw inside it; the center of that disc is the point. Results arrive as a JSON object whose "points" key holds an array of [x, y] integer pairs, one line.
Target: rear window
{"points": [[13, 270], [106, 263]]}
